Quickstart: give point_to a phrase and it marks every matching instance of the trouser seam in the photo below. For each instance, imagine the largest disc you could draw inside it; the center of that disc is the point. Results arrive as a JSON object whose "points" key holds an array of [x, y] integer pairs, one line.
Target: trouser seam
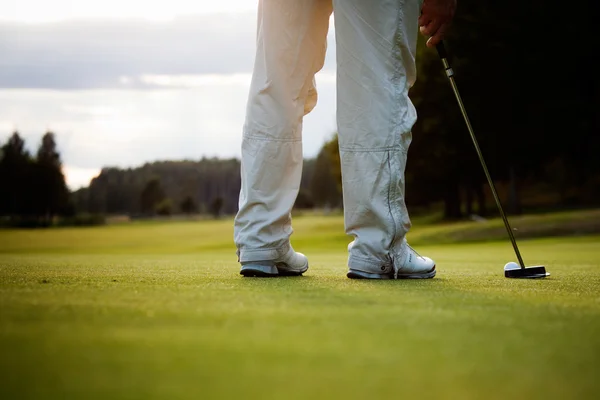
{"points": [[392, 191], [389, 201]]}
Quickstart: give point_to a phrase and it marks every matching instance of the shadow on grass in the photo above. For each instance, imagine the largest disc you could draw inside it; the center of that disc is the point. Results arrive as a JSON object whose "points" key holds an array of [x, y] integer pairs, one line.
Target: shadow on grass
{"points": [[340, 281]]}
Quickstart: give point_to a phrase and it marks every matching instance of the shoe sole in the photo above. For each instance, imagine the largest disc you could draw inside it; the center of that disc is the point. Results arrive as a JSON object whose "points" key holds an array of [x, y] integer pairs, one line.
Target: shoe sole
{"points": [[283, 271], [259, 271], [427, 275], [268, 271], [355, 274]]}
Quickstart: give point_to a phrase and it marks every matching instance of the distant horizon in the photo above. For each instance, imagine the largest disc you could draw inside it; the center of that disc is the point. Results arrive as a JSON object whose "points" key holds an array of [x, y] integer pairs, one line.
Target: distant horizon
{"points": [[78, 178]]}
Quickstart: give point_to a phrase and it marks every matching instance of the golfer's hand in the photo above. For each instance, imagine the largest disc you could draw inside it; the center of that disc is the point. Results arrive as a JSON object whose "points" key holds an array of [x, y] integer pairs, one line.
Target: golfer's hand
{"points": [[435, 19]]}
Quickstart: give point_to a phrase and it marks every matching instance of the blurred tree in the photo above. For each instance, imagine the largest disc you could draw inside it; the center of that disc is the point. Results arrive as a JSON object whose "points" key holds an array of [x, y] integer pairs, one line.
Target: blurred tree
{"points": [[216, 205], [97, 199], [332, 147], [308, 170], [15, 168], [304, 200], [165, 207], [151, 196], [188, 206], [48, 190], [80, 199], [47, 153], [326, 182]]}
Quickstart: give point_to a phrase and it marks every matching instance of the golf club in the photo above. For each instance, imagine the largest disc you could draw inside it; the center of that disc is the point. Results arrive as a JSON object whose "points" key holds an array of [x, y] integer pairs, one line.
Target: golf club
{"points": [[511, 269]]}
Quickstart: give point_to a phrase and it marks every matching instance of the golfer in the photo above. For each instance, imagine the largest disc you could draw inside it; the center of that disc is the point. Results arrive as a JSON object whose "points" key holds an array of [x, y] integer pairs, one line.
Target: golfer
{"points": [[376, 46]]}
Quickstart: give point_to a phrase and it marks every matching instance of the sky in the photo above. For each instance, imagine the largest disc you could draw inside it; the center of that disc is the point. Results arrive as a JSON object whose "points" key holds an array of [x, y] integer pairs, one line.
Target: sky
{"points": [[124, 82]]}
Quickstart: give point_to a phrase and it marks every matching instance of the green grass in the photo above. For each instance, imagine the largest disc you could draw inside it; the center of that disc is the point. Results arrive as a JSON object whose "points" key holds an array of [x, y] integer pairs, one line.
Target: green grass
{"points": [[158, 310]]}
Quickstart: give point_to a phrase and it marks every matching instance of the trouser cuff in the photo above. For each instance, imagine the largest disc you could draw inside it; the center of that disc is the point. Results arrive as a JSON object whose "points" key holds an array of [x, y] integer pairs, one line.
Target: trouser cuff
{"points": [[265, 254], [373, 266]]}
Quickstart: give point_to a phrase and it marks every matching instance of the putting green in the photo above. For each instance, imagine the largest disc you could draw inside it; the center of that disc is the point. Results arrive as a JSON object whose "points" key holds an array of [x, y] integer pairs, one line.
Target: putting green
{"points": [[158, 310]]}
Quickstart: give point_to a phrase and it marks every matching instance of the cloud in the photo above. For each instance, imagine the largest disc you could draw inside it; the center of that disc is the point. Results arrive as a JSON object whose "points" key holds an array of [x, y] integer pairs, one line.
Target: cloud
{"points": [[96, 54], [188, 81], [128, 127], [57, 10], [125, 53]]}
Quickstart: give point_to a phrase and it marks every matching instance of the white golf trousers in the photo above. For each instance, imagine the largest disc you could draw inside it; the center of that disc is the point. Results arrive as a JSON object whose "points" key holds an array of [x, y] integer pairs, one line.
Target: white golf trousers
{"points": [[376, 46]]}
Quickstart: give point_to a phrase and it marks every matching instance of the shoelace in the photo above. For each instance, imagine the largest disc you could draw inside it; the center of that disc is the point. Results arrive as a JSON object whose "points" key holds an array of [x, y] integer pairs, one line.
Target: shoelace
{"points": [[396, 267], [414, 251]]}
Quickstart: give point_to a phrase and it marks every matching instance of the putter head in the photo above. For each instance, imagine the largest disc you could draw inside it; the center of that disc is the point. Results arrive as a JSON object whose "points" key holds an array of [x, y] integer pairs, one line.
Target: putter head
{"points": [[527, 273]]}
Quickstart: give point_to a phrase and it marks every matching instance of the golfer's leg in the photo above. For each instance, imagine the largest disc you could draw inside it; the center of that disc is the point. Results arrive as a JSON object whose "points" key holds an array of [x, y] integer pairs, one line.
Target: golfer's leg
{"points": [[376, 45], [290, 50]]}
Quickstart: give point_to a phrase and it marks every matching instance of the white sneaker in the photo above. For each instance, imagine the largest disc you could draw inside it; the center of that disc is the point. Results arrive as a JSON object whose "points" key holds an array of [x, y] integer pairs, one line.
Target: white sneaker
{"points": [[410, 265], [290, 264]]}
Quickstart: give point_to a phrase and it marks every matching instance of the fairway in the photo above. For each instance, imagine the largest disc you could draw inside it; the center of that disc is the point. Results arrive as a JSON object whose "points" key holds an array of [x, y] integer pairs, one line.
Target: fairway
{"points": [[158, 311]]}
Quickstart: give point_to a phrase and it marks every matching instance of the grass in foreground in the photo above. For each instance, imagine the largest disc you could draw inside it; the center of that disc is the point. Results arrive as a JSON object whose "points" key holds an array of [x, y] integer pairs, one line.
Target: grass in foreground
{"points": [[115, 312]]}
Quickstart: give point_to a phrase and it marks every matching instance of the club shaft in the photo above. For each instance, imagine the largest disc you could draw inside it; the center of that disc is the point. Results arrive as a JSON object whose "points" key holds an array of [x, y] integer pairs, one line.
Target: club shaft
{"points": [[450, 75]]}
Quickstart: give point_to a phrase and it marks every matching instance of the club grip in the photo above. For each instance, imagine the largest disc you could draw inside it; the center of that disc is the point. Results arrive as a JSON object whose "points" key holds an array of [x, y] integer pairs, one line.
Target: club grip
{"points": [[441, 49]]}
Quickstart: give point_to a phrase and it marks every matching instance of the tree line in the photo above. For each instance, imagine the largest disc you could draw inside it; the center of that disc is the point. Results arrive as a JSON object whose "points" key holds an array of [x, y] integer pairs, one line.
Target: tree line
{"points": [[33, 186], [34, 190], [164, 188], [206, 186]]}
